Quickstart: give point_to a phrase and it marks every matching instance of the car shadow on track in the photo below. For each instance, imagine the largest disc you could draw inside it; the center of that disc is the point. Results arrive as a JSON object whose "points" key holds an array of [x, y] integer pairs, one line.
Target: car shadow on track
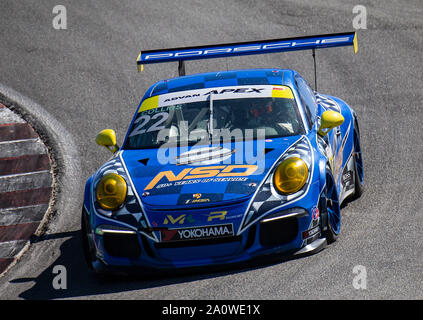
{"points": [[81, 282]]}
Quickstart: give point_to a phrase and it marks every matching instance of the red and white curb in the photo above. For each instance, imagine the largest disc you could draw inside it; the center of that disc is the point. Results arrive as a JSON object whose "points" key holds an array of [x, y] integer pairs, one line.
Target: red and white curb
{"points": [[26, 180]]}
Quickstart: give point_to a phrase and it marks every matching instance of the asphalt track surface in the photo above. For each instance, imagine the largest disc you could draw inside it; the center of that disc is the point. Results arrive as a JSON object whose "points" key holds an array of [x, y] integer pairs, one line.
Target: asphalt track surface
{"points": [[83, 79]]}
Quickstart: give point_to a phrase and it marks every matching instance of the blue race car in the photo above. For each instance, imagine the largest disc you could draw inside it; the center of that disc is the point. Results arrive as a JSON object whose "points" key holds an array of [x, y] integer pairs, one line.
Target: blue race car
{"points": [[223, 167]]}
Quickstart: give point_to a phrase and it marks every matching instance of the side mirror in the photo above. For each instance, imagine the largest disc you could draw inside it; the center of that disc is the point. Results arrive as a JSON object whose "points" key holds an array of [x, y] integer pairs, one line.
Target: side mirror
{"points": [[107, 138], [330, 119]]}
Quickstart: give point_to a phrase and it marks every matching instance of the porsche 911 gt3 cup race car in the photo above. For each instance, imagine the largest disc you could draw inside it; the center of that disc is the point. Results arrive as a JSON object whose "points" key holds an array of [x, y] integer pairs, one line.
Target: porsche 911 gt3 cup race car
{"points": [[223, 167]]}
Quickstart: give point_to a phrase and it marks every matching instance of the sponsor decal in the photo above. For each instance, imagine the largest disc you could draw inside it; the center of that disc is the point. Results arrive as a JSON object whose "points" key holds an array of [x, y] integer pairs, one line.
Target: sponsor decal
{"points": [[234, 90], [347, 177], [188, 96], [198, 233], [166, 109], [186, 198], [228, 50], [204, 156], [310, 233], [315, 213], [221, 215], [194, 175], [169, 219], [197, 199]]}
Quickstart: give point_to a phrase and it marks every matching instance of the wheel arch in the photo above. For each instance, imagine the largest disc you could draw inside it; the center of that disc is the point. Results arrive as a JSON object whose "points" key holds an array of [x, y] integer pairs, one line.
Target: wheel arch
{"points": [[87, 195]]}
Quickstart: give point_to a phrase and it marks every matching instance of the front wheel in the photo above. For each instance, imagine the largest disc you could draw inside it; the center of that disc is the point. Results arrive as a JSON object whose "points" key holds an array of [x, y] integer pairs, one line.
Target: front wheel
{"points": [[330, 210]]}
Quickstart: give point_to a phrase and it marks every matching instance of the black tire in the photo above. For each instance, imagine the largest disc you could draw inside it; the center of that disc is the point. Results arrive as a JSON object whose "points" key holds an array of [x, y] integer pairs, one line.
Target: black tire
{"points": [[89, 252], [358, 187], [358, 162]]}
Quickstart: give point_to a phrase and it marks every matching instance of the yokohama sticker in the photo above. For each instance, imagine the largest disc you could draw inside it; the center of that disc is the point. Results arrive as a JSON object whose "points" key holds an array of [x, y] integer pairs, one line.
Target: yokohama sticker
{"points": [[198, 233]]}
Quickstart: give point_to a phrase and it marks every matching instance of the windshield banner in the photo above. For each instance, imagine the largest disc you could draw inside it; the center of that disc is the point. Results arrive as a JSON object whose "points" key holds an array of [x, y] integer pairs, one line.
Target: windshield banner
{"points": [[220, 93]]}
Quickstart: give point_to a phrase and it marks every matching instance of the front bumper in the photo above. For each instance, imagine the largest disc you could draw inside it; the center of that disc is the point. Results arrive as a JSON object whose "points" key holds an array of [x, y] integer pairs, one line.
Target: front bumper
{"points": [[292, 231]]}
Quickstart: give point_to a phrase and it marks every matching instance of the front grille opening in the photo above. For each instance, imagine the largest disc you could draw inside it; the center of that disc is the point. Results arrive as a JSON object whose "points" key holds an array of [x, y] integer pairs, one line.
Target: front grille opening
{"points": [[122, 245], [192, 243], [278, 232]]}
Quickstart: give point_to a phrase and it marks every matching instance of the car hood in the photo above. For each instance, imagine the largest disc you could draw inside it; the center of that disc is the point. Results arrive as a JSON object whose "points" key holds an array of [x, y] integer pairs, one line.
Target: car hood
{"points": [[202, 175]]}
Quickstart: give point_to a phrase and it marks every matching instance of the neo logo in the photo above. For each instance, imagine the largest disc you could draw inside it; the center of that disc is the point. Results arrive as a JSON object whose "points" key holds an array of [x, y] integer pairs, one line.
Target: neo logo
{"points": [[204, 172]]}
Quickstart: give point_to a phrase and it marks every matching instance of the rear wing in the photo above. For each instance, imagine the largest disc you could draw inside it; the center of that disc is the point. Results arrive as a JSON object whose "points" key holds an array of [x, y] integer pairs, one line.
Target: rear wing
{"points": [[247, 48]]}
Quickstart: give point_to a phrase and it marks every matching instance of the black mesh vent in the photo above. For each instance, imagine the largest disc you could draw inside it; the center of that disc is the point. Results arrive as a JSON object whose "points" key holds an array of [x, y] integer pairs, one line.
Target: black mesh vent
{"points": [[122, 245], [278, 232]]}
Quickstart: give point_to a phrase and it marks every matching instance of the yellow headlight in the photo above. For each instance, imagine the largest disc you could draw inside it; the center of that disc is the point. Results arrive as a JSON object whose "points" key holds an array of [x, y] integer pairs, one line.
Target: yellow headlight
{"points": [[290, 176], [111, 191]]}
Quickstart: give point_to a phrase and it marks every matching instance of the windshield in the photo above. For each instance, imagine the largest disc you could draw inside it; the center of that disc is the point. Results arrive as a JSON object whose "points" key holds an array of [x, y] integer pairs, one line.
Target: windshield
{"points": [[202, 121]]}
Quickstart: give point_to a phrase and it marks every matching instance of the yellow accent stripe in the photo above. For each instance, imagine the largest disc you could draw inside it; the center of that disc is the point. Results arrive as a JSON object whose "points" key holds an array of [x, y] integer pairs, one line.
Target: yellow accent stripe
{"points": [[140, 67], [355, 43], [149, 103], [282, 92]]}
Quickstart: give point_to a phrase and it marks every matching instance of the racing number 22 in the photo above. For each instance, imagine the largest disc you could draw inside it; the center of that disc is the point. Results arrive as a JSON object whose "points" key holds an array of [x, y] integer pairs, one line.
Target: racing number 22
{"points": [[144, 119]]}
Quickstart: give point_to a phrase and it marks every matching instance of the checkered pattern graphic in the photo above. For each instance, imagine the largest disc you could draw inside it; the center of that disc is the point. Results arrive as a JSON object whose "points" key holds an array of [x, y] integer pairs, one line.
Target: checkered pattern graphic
{"points": [[131, 213], [267, 200], [218, 79], [327, 103]]}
